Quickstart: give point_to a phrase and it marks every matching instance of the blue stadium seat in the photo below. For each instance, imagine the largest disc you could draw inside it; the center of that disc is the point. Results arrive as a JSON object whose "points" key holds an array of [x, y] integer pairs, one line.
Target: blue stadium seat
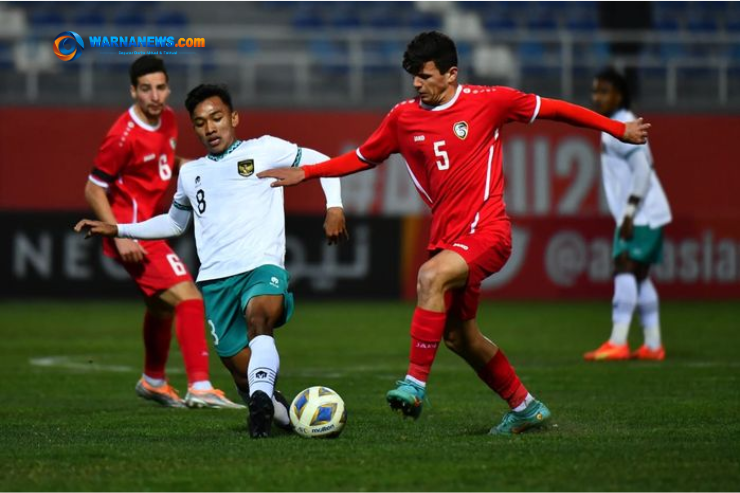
{"points": [[247, 46], [671, 5], [582, 24], [46, 19], [716, 8], [344, 19], [589, 7], [129, 19], [89, 19], [380, 19], [480, 7], [701, 25], [499, 22], [531, 51], [666, 25], [732, 24], [307, 19], [6, 55], [553, 9], [424, 22], [330, 56], [171, 19], [542, 23]]}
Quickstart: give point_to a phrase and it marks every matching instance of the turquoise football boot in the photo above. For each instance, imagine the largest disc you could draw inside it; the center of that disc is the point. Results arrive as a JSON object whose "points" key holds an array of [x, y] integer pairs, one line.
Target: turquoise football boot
{"points": [[534, 415], [408, 397]]}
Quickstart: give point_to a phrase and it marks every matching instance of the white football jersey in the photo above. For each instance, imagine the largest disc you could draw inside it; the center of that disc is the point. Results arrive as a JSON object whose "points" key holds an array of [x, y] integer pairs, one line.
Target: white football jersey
{"points": [[239, 218], [616, 171]]}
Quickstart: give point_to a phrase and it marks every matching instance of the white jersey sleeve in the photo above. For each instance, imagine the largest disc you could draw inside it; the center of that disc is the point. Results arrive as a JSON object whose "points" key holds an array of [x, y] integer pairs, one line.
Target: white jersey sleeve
{"points": [[627, 170], [331, 186], [282, 154], [174, 223]]}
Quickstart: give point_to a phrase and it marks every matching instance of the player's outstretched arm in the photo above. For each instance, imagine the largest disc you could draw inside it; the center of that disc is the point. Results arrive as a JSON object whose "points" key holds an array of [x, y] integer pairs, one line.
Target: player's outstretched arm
{"points": [[159, 227], [343, 165], [96, 228], [635, 132]]}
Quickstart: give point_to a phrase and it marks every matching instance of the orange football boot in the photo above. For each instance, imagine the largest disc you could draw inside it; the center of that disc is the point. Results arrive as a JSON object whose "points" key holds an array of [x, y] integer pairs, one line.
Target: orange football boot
{"points": [[649, 354], [608, 352]]}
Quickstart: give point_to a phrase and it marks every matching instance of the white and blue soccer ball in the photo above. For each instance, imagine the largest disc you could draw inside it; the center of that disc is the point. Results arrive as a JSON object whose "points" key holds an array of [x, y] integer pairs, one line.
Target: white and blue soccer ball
{"points": [[318, 412]]}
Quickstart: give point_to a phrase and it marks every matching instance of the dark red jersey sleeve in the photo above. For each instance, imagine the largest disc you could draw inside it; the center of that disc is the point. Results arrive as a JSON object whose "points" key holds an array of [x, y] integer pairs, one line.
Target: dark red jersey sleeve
{"points": [[111, 158], [383, 142], [520, 107], [579, 116]]}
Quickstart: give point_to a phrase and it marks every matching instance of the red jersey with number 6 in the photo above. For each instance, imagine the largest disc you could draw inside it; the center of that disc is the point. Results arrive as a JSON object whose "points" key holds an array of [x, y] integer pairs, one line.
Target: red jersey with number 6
{"points": [[453, 154], [135, 164]]}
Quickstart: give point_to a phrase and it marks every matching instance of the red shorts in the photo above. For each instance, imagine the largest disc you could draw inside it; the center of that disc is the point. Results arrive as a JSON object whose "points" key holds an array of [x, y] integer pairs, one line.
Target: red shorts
{"points": [[486, 252], [160, 270]]}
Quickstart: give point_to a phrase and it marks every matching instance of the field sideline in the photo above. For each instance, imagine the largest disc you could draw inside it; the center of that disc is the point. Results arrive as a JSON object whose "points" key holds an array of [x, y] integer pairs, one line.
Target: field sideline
{"points": [[69, 419]]}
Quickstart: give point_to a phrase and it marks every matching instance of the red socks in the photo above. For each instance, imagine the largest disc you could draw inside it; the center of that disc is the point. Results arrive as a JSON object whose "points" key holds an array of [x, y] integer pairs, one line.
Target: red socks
{"points": [[500, 376], [427, 329], [190, 316], [157, 337]]}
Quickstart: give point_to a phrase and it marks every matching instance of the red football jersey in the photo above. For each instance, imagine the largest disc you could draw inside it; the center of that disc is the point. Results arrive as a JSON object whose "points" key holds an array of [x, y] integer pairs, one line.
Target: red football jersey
{"points": [[135, 163], [453, 154]]}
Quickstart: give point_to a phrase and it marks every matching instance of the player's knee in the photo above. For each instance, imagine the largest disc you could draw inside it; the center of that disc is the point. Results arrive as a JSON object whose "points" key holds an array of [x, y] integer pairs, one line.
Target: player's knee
{"points": [[429, 280], [260, 323]]}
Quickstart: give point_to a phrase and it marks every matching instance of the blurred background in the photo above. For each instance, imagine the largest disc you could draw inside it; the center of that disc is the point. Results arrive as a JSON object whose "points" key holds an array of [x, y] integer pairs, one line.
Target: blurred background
{"points": [[323, 74]]}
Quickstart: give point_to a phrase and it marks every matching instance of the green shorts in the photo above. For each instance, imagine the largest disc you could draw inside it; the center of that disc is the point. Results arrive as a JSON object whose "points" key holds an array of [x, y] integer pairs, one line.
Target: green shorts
{"points": [[226, 301], [646, 245]]}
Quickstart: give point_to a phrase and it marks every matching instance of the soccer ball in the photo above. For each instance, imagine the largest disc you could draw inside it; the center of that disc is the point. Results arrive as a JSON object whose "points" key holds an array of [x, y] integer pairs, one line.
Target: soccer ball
{"points": [[318, 412]]}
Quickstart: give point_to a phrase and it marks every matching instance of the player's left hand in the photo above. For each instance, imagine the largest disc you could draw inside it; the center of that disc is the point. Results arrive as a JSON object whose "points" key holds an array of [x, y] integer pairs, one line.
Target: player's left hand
{"points": [[285, 177], [335, 226], [93, 228], [636, 132], [627, 229]]}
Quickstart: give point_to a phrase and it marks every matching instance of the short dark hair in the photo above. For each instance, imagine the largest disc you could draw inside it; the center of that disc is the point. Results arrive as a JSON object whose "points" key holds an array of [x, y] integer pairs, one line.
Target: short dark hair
{"points": [[204, 91], [431, 46], [147, 64], [618, 82]]}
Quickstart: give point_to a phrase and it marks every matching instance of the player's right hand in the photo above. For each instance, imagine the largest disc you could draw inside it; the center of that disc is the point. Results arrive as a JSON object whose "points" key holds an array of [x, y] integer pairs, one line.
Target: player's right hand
{"points": [[636, 132], [285, 177], [130, 250], [93, 228]]}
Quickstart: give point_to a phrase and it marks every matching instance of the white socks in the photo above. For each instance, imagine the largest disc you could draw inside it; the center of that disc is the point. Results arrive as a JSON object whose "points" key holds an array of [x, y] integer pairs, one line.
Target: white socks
{"points": [[263, 365], [647, 304], [154, 382], [623, 304], [202, 385], [521, 407]]}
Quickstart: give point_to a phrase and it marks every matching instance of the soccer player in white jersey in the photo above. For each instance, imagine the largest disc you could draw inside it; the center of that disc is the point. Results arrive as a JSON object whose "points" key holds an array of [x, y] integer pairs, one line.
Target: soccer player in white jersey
{"points": [[640, 208], [240, 238]]}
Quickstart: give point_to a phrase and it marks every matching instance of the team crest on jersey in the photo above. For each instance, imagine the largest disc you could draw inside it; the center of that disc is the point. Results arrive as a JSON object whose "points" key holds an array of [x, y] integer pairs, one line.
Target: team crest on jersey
{"points": [[461, 130], [246, 167], [173, 143]]}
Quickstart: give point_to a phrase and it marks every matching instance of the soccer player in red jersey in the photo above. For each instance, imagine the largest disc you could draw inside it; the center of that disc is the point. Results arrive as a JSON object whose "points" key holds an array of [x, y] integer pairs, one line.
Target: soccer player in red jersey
{"points": [[131, 173], [451, 137]]}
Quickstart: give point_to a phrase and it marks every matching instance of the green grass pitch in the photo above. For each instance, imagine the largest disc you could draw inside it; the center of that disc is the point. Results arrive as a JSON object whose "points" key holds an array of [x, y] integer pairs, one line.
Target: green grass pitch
{"points": [[69, 419]]}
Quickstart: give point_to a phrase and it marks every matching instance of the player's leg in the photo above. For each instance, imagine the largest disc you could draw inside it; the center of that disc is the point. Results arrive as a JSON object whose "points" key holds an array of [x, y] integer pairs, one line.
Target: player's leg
{"points": [[624, 302], [445, 271], [238, 366], [166, 281], [267, 305], [465, 339], [157, 332], [262, 315], [647, 298]]}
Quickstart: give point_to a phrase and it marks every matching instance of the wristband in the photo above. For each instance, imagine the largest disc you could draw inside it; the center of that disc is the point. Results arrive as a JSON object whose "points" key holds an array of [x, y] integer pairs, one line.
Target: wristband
{"points": [[630, 210]]}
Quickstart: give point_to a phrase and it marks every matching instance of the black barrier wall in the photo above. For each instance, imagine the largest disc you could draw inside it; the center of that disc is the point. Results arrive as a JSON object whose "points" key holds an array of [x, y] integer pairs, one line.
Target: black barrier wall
{"points": [[43, 257]]}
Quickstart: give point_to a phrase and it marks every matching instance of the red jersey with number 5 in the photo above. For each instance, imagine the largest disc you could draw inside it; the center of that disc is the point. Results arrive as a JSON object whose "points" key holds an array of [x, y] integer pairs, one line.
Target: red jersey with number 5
{"points": [[135, 163], [453, 154]]}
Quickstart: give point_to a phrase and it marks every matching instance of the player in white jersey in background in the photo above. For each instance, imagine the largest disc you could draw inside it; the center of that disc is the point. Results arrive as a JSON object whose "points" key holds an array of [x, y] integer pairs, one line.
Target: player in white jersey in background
{"points": [[240, 238], [640, 208]]}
